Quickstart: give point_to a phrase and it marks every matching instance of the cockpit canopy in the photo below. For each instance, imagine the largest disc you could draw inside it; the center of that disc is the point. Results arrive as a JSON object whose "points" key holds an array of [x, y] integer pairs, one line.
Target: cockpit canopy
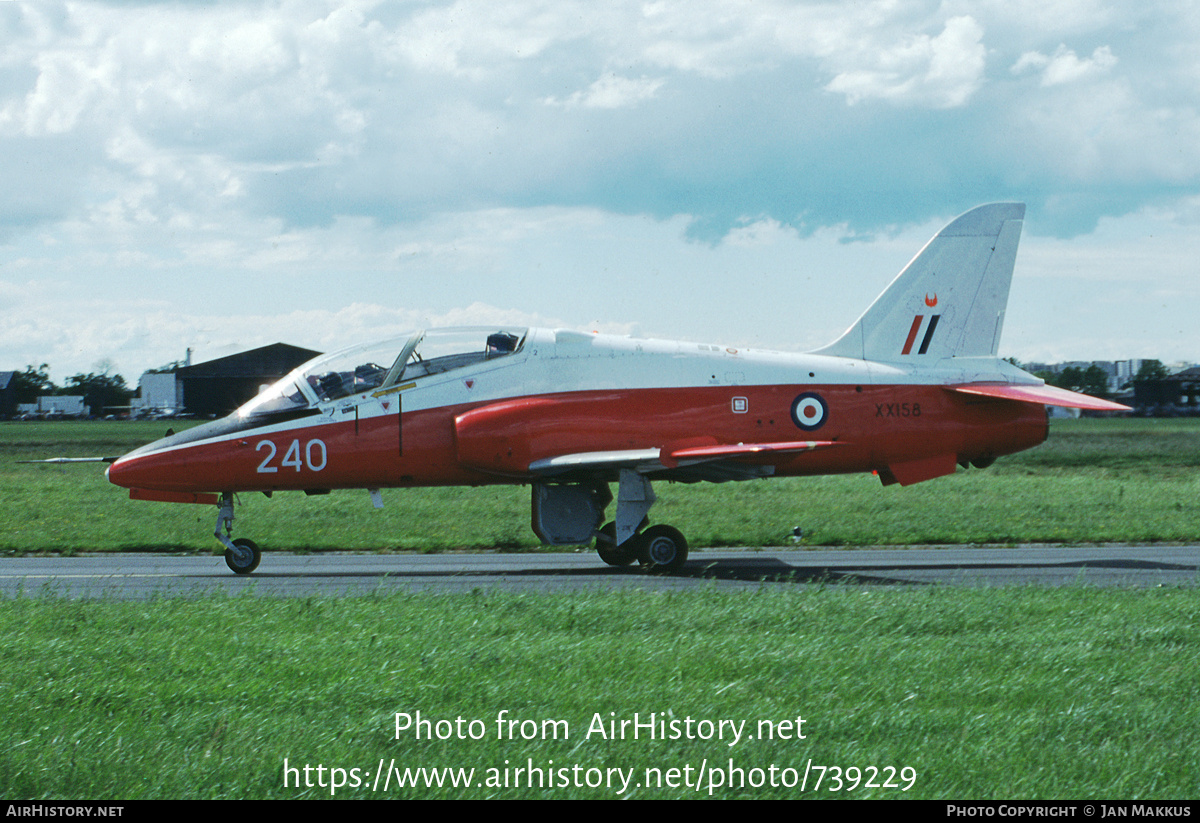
{"points": [[379, 366]]}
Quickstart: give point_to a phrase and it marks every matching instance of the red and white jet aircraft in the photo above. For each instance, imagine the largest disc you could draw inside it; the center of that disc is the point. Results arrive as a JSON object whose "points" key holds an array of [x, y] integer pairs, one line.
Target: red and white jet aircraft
{"points": [[911, 391]]}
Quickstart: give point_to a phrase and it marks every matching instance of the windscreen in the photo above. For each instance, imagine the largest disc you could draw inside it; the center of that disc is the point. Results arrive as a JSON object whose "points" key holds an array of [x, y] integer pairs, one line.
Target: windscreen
{"points": [[349, 371], [374, 366]]}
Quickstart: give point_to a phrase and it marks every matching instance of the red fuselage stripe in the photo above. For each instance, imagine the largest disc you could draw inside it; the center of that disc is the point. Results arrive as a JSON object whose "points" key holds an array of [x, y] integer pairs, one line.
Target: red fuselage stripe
{"points": [[912, 333]]}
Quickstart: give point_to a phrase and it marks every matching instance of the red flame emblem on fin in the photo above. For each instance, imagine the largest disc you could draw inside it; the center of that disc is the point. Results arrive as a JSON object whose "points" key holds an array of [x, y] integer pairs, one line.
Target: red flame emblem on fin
{"points": [[931, 301]]}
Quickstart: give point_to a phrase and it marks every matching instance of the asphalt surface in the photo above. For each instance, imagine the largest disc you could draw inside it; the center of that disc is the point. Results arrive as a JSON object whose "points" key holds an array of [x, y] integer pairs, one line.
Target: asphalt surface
{"points": [[132, 576]]}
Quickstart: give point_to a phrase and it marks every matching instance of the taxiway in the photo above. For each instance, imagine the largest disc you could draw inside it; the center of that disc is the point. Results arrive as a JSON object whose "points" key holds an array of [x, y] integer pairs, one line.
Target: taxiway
{"points": [[132, 576]]}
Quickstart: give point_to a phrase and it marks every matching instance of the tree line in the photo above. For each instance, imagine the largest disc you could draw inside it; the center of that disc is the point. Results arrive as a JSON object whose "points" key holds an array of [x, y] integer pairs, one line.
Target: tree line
{"points": [[99, 391], [1093, 380]]}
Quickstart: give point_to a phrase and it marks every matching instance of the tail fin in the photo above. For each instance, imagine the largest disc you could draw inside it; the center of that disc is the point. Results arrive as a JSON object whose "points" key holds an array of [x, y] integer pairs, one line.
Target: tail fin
{"points": [[949, 300]]}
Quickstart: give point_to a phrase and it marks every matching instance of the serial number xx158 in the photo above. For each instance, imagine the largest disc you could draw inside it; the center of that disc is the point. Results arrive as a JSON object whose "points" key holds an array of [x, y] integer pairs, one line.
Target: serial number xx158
{"points": [[897, 409]]}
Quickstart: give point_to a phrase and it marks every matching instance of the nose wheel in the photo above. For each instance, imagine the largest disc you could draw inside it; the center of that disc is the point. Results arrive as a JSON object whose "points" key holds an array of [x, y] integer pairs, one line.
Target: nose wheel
{"points": [[242, 556]]}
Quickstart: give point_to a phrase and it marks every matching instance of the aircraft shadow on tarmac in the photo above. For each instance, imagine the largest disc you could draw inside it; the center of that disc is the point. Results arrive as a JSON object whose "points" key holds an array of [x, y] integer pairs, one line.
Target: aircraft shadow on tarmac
{"points": [[771, 569]]}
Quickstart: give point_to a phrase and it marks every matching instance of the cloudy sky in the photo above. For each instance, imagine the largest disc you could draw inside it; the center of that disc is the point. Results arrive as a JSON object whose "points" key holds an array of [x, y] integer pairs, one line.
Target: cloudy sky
{"points": [[222, 175]]}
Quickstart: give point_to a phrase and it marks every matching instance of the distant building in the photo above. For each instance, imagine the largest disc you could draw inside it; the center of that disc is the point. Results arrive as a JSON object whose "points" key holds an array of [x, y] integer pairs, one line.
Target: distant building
{"points": [[55, 406], [8, 394], [1178, 394], [216, 388], [159, 394], [1127, 370]]}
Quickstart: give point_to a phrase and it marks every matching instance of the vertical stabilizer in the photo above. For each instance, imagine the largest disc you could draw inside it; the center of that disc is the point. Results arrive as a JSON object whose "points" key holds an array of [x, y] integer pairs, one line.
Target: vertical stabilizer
{"points": [[949, 301]]}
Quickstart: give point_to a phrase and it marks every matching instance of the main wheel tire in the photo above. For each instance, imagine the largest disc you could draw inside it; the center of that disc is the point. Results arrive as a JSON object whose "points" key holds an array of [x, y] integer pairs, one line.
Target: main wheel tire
{"points": [[245, 559], [665, 550], [609, 551]]}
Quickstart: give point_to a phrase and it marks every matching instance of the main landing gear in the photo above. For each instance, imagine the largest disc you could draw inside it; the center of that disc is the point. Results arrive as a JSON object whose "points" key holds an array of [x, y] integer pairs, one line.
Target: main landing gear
{"points": [[660, 549], [242, 556], [570, 513]]}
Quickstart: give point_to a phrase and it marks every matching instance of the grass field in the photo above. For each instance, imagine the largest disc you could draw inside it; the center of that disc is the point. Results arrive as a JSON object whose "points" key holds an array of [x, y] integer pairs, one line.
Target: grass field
{"points": [[1093, 481], [969, 694], [1004, 693]]}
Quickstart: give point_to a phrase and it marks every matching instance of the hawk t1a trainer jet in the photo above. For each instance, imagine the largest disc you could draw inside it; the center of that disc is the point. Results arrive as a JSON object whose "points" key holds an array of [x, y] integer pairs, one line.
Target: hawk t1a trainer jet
{"points": [[911, 391]]}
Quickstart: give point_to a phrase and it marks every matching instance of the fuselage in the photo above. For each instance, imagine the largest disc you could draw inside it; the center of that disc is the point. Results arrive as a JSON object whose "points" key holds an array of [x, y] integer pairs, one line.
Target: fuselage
{"points": [[483, 415]]}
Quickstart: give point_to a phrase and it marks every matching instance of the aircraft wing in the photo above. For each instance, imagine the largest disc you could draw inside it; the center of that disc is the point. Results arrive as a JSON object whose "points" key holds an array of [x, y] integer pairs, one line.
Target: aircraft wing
{"points": [[685, 462], [1044, 395]]}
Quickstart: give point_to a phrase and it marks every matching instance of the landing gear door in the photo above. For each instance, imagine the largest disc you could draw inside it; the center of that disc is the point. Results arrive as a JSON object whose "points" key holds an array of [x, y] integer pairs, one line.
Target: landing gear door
{"points": [[568, 514]]}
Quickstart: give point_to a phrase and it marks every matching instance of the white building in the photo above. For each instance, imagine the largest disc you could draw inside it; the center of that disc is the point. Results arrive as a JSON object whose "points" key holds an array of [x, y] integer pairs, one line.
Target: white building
{"points": [[59, 405], [158, 394]]}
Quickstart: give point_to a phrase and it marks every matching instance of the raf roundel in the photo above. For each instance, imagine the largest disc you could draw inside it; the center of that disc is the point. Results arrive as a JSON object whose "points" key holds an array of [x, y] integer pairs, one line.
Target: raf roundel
{"points": [[809, 411]]}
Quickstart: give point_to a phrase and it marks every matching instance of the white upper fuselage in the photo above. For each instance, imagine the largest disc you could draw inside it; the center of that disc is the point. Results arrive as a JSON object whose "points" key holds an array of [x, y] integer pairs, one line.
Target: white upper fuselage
{"points": [[556, 361]]}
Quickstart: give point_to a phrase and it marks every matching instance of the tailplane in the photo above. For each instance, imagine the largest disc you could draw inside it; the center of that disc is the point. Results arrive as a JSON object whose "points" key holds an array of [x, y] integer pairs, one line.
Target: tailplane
{"points": [[949, 300]]}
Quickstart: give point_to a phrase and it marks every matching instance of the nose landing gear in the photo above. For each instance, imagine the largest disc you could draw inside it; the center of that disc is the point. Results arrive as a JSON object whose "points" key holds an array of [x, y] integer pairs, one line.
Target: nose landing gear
{"points": [[242, 556]]}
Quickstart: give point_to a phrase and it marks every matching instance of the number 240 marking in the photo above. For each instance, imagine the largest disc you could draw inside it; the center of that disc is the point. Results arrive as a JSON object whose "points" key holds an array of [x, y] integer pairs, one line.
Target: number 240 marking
{"points": [[315, 456]]}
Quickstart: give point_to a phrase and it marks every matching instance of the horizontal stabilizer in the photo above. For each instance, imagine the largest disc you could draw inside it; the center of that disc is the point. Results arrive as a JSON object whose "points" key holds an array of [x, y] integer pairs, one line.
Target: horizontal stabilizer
{"points": [[1045, 395]]}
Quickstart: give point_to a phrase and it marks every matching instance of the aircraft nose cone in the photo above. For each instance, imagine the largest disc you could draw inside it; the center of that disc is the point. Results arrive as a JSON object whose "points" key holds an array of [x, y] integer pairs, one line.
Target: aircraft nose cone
{"points": [[133, 471], [180, 461], [159, 465]]}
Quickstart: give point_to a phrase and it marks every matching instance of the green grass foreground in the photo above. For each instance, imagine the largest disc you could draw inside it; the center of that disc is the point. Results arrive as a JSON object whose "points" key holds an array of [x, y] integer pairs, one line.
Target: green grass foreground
{"points": [[1010, 693], [1016, 693], [1093, 481]]}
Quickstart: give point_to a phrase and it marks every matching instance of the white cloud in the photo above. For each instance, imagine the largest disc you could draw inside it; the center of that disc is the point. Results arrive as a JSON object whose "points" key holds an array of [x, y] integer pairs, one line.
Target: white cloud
{"points": [[545, 156], [939, 72], [765, 231], [476, 40], [1109, 136], [1065, 66], [612, 92]]}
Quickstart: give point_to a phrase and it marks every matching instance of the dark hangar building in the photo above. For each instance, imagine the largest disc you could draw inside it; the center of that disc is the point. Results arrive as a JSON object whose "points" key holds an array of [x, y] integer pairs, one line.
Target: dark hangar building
{"points": [[216, 388], [1177, 395], [8, 394]]}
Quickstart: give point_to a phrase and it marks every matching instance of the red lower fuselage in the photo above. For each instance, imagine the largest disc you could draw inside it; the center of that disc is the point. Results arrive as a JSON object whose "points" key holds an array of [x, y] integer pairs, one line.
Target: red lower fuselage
{"points": [[907, 433]]}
